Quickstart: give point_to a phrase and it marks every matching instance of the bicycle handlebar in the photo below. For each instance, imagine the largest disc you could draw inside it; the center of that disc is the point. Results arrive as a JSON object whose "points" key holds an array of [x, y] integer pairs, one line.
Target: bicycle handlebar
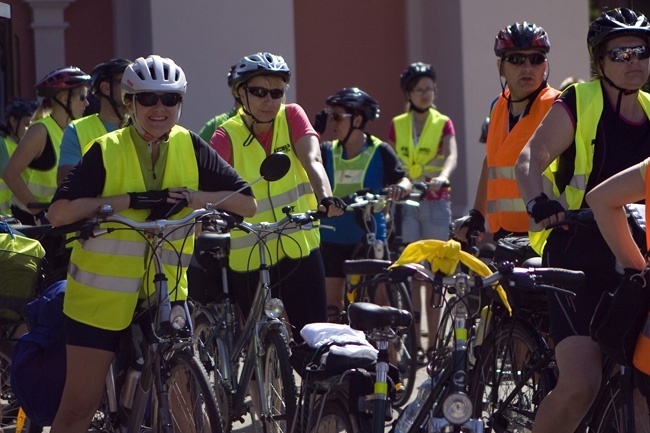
{"points": [[573, 217]]}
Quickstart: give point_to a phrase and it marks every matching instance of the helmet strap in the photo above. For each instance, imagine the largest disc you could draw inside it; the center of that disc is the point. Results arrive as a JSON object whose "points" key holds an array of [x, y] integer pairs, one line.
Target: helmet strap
{"points": [[146, 135], [112, 101], [621, 92], [66, 107]]}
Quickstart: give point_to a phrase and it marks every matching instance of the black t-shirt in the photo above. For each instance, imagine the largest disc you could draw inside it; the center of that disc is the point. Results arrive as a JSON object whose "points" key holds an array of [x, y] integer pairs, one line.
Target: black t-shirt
{"points": [[618, 144], [88, 177]]}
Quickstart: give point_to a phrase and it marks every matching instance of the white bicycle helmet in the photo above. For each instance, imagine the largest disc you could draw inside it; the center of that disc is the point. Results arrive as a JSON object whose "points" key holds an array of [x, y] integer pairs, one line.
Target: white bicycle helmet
{"points": [[258, 64], [153, 74]]}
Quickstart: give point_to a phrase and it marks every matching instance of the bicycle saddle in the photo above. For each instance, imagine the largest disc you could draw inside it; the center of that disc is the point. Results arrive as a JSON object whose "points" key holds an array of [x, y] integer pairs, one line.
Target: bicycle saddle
{"points": [[366, 316]]}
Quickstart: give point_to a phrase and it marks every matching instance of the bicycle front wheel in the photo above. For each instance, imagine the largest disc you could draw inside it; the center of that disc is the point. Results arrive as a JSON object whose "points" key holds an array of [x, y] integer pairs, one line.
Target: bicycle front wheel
{"points": [[610, 412], [511, 377], [279, 385], [190, 397]]}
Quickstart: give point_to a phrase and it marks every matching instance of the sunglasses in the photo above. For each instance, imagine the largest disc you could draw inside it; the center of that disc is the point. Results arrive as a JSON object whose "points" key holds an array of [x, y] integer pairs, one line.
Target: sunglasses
{"points": [[337, 117], [82, 97], [148, 99], [261, 92], [624, 54], [520, 58]]}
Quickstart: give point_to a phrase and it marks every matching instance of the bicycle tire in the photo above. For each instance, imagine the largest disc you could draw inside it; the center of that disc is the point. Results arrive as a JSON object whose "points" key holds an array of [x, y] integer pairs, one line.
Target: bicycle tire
{"points": [[504, 390], [279, 385], [446, 328], [334, 417], [610, 417], [191, 398], [403, 348], [212, 354]]}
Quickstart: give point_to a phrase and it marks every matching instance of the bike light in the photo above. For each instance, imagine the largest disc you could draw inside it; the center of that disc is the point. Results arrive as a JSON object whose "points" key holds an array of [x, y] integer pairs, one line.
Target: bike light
{"points": [[178, 318], [273, 308], [457, 408]]}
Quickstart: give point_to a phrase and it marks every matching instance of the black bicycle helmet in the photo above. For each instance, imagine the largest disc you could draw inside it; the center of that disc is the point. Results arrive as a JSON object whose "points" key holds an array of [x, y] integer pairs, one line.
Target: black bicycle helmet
{"points": [[61, 79], [521, 36], [19, 108], [614, 23], [259, 64], [356, 100], [413, 72], [106, 70]]}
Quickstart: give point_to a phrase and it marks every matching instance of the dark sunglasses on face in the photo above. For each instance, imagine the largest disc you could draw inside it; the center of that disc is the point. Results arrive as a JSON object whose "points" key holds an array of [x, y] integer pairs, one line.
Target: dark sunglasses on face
{"points": [[520, 58], [82, 97], [148, 99], [624, 54], [261, 92], [337, 117]]}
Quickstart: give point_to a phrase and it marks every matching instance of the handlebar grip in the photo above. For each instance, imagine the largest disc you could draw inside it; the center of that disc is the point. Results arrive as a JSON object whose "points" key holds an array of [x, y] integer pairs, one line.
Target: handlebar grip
{"points": [[561, 277], [70, 228]]}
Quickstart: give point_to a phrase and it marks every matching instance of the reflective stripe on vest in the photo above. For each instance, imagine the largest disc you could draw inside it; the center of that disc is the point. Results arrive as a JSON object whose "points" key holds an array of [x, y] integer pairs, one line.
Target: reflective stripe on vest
{"points": [[88, 128], [5, 193], [505, 208], [42, 183], [349, 174], [423, 158], [106, 273], [293, 189], [589, 107]]}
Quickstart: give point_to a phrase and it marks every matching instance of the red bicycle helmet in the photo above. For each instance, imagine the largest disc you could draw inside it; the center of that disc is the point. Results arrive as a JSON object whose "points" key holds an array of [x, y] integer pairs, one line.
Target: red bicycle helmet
{"points": [[61, 79], [614, 23], [521, 36]]}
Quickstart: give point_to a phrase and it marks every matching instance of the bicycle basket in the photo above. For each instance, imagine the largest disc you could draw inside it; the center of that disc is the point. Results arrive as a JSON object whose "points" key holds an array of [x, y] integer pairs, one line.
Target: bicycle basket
{"points": [[20, 266]]}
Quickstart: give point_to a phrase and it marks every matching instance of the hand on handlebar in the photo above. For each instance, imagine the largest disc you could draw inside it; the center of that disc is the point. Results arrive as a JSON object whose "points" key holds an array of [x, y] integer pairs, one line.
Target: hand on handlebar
{"points": [[396, 192], [438, 182], [545, 211], [333, 206], [474, 221]]}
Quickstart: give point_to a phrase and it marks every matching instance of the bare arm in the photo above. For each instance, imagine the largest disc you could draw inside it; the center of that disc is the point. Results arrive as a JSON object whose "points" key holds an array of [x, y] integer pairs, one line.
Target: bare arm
{"points": [[240, 204], [64, 212], [308, 152], [553, 136], [30, 147], [451, 158], [607, 201]]}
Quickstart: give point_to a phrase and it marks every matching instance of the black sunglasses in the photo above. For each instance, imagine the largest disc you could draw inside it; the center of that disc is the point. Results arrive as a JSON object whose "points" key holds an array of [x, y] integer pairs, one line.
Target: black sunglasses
{"points": [[624, 54], [261, 92], [520, 58], [337, 117], [148, 99]]}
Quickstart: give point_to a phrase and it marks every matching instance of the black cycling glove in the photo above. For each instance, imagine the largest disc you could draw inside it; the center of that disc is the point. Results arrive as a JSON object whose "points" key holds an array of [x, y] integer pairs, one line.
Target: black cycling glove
{"points": [[333, 201], [474, 220], [148, 200], [541, 207]]}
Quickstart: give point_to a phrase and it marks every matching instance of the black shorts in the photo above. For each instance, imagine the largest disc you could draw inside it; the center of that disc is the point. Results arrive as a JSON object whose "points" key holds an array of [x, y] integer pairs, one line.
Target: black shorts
{"points": [[333, 257], [579, 248], [80, 334]]}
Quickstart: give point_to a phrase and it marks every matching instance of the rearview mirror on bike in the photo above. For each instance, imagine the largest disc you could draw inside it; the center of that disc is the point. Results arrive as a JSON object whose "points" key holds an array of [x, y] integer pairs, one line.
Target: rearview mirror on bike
{"points": [[275, 166]]}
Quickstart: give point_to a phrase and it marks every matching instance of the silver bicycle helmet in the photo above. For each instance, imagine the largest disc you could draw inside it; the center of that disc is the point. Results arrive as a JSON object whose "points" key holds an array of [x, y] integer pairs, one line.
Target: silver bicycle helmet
{"points": [[259, 64]]}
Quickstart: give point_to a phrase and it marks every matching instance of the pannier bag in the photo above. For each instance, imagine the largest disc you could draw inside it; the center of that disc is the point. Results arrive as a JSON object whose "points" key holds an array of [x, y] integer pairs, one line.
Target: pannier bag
{"points": [[39, 364], [20, 267]]}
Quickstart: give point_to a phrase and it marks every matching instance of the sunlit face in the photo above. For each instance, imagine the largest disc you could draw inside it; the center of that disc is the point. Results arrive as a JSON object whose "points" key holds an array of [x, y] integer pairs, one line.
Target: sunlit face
{"points": [[78, 101], [423, 93], [630, 74], [157, 119], [523, 79], [264, 108]]}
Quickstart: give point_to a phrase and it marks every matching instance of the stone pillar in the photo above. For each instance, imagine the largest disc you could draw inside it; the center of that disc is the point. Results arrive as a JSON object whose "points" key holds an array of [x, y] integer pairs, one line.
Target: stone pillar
{"points": [[49, 34]]}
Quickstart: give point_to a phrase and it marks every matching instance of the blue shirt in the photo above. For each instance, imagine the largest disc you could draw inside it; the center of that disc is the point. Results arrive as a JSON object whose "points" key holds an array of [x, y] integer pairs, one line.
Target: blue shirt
{"points": [[70, 153]]}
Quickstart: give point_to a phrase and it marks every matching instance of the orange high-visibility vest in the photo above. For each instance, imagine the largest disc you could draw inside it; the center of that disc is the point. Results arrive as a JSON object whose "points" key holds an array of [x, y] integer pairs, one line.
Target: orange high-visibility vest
{"points": [[505, 207]]}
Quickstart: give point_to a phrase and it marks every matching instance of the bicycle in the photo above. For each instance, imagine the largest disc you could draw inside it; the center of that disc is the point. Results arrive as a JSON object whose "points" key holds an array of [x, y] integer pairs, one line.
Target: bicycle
{"points": [[157, 381], [515, 368], [369, 281], [261, 346], [355, 400], [447, 404]]}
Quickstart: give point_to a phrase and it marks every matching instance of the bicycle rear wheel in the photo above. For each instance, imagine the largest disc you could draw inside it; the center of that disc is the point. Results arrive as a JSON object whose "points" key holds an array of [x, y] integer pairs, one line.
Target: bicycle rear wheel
{"points": [[192, 403], [403, 347], [610, 412], [279, 385], [511, 377]]}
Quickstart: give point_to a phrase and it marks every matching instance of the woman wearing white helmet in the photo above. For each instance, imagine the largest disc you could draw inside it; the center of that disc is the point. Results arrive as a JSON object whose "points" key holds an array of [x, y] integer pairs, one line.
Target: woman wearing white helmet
{"points": [[142, 171], [265, 125]]}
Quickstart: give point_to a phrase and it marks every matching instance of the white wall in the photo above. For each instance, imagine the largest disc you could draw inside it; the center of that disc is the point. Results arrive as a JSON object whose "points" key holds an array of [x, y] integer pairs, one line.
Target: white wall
{"points": [[206, 37]]}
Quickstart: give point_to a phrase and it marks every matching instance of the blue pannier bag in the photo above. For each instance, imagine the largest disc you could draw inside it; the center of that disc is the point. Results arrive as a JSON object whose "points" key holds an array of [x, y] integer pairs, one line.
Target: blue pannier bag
{"points": [[39, 364]]}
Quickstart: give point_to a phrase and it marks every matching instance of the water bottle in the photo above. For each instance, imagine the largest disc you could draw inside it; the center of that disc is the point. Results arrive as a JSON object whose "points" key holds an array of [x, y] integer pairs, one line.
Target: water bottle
{"points": [[411, 411], [130, 382]]}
